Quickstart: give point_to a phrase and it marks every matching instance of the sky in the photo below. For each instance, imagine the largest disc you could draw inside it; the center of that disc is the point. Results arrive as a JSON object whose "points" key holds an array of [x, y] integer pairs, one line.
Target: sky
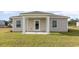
{"points": [[10, 8], [5, 15]]}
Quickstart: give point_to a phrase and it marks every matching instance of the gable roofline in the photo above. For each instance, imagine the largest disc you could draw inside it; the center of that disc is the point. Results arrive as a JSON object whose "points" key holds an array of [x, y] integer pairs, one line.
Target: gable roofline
{"points": [[43, 13], [36, 12]]}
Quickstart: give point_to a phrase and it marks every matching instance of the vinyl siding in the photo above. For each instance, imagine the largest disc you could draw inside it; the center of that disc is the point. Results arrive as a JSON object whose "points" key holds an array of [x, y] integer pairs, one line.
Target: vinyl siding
{"points": [[14, 28], [62, 25], [42, 24]]}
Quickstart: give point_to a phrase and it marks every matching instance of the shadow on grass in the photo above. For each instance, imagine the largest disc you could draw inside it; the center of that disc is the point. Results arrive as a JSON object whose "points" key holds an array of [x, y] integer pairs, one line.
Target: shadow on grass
{"points": [[71, 32]]}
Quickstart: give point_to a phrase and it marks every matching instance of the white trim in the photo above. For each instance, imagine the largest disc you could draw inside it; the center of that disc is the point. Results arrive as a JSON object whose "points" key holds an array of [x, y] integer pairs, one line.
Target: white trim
{"points": [[47, 22], [23, 30], [39, 24], [16, 24], [53, 24], [13, 25], [35, 14], [26, 24]]}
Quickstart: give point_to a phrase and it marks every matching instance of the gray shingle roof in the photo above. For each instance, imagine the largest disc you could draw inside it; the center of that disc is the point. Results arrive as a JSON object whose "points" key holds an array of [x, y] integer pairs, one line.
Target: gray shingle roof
{"points": [[39, 12], [36, 12], [59, 16], [50, 14]]}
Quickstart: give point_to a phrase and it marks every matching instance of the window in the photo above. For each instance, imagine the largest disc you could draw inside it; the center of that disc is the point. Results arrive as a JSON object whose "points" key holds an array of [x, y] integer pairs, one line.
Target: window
{"points": [[54, 23], [37, 25], [18, 23]]}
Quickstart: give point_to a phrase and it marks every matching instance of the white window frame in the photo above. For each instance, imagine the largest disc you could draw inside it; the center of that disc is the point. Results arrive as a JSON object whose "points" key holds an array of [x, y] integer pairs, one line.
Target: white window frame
{"points": [[53, 24], [20, 24], [34, 24]]}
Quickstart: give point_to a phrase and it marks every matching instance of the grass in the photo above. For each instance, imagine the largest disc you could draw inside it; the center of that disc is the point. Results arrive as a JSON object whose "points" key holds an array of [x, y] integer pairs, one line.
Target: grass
{"points": [[54, 39]]}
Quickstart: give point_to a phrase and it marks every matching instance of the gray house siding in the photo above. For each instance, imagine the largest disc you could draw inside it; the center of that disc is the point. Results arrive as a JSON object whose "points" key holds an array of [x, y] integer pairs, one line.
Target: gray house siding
{"points": [[62, 25], [14, 28]]}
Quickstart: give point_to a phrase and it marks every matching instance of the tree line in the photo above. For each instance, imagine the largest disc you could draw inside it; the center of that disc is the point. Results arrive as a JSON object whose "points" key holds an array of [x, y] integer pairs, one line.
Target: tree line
{"points": [[72, 22]]}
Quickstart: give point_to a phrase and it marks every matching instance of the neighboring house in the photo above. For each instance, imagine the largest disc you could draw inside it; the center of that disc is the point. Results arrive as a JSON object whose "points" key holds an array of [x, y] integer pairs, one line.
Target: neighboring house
{"points": [[77, 23], [2, 23], [38, 22]]}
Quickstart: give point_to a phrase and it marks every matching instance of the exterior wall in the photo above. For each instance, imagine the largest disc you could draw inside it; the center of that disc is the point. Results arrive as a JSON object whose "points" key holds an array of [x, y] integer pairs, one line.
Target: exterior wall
{"points": [[31, 24], [14, 28], [62, 25]]}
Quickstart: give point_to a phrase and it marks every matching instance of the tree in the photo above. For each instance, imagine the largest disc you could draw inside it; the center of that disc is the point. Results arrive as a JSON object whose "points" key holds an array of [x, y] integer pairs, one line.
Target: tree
{"points": [[77, 19], [6, 23], [10, 22], [72, 22]]}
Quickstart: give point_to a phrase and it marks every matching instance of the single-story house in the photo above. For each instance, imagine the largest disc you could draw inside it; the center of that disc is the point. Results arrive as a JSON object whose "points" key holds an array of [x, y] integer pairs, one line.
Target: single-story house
{"points": [[38, 22]]}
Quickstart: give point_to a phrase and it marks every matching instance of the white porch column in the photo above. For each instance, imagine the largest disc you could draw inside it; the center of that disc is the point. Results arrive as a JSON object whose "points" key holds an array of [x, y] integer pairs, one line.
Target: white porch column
{"points": [[48, 26], [23, 30], [27, 24]]}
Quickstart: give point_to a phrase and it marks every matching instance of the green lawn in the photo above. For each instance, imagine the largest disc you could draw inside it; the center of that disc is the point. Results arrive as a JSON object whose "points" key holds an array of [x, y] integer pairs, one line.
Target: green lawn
{"points": [[15, 39]]}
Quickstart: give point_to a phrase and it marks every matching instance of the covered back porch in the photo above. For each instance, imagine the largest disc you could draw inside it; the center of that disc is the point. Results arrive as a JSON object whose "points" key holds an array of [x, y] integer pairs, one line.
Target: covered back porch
{"points": [[35, 25]]}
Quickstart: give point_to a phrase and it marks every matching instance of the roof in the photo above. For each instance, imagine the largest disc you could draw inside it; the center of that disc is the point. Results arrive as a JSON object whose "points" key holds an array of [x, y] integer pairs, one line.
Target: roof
{"points": [[59, 16], [40, 12], [36, 12], [16, 16]]}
